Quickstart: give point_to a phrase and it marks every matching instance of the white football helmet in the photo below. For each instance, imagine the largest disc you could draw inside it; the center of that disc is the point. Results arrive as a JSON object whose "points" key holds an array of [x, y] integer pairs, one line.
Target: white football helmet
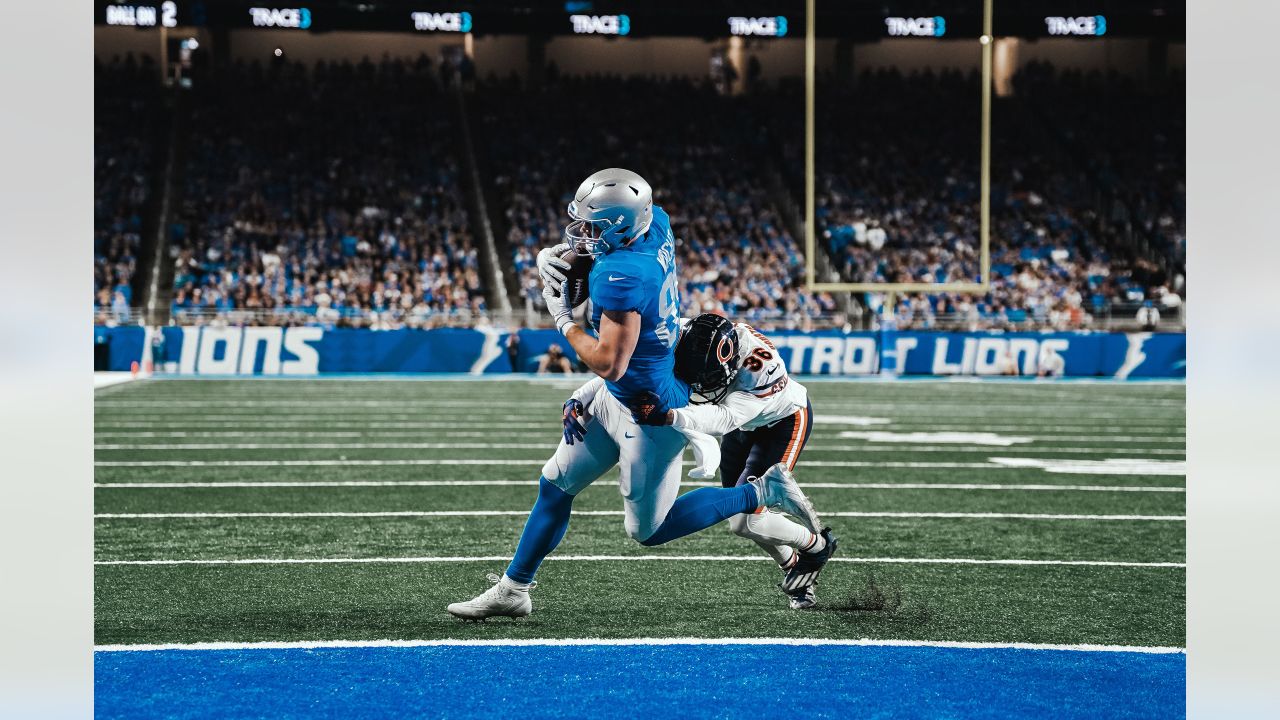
{"points": [[610, 209]]}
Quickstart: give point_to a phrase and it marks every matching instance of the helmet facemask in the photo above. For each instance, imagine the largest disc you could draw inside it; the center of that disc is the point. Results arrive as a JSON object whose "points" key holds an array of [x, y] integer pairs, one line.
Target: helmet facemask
{"points": [[594, 237]]}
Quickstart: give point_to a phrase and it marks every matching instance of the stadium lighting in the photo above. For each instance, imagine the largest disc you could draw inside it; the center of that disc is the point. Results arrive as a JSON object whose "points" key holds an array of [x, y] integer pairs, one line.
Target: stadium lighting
{"points": [[193, 44], [985, 39], [279, 52]]}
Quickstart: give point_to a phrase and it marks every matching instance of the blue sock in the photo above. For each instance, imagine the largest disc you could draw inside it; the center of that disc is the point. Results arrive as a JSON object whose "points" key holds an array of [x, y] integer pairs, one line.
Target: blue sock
{"points": [[702, 508], [547, 522]]}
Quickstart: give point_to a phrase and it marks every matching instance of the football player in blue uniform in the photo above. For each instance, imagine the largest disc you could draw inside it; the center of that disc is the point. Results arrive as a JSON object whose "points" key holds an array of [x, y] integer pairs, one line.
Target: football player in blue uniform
{"points": [[635, 305]]}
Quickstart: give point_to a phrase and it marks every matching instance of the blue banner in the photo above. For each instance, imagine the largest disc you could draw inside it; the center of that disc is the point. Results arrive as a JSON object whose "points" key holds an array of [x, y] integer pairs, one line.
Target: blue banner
{"points": [[315, 350]]}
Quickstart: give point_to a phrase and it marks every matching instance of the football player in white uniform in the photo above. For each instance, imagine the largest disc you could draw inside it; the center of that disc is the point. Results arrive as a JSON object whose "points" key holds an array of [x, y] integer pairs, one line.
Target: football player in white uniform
{"points": [[741, 391]]}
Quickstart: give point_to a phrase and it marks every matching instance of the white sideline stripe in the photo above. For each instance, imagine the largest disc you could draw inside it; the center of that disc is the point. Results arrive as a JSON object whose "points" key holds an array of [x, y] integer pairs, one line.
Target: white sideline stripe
{"points": [[473, 461], [442, 401], [527, 421], [550, 428], [106, 379], [606, 513], [687, 483], [590, 642], [614, 558], [903, 448]]}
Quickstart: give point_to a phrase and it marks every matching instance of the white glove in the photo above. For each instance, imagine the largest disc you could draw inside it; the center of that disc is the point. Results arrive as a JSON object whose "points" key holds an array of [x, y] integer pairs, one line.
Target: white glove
{"points": [[550, 267], [706, 454], [554, 296]]}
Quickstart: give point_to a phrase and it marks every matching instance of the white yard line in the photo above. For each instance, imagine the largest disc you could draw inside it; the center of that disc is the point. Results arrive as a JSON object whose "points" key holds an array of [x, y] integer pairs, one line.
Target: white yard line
{"points": [[550, 428], [383, 422], [1097, 469], [530, 483], [638, 558], [612, 513], [543, 420], [901, 448], [1136, 409], [624, 642]]}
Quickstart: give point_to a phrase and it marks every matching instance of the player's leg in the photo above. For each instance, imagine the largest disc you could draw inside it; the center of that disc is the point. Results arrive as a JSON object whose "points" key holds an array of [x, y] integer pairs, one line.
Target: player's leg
{"points": [[649, 460], [800, 553], [568, 472], [734, 449], [765, 448]]}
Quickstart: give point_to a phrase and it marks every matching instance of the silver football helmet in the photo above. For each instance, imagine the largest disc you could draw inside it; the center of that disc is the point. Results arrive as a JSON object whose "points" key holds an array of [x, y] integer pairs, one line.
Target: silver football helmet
{"points": [[610, 208]]}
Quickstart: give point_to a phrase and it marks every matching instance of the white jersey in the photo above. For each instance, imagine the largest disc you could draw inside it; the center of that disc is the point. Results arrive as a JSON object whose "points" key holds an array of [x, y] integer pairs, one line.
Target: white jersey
{"points": [[761, 395]]}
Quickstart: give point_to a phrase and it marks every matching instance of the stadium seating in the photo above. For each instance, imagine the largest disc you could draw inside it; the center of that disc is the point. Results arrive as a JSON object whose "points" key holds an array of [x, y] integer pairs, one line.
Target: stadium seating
{"points": [[327, 194], [736, 253], [334, 194], [896, 207], [124, 139]]}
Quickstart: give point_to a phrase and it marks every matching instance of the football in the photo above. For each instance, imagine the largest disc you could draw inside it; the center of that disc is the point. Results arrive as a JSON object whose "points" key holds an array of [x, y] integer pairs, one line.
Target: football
{"points": [[577, 274]]}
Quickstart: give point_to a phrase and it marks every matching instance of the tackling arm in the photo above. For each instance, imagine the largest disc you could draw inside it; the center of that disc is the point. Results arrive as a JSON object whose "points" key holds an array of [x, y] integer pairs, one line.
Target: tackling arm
{"points": [[738, 408]]}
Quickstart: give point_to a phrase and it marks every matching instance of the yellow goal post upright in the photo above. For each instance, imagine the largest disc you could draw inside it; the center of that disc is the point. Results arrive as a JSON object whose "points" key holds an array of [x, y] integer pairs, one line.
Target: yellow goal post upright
{"points": [[986, 41]]}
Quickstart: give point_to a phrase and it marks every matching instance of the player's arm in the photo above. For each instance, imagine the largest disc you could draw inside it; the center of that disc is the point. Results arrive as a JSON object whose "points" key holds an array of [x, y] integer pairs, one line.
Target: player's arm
{"points": [[609, 354], [738, 408], [542, 365]]}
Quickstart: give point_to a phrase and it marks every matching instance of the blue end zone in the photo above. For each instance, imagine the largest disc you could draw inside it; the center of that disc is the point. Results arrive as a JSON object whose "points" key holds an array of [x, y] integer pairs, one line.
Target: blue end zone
{"points": [[702, 681]]}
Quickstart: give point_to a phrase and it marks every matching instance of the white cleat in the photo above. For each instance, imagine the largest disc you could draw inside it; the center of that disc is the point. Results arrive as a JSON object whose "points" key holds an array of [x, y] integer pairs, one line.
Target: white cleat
{"points": [[777, 488], [503, 599]]}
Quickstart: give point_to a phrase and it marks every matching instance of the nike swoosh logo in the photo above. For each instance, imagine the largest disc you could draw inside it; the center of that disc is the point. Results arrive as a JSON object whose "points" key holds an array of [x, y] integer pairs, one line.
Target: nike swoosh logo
{"points": [[775, 367], [618, 277], [627, 435]]}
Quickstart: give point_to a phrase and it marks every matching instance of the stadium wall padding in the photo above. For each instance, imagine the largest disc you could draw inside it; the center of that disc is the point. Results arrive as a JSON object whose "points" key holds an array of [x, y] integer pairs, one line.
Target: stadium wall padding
{"points": [[317, 350]]}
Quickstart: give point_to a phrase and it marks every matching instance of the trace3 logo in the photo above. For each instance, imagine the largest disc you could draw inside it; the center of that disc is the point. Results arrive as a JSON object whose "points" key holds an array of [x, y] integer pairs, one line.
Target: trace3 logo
{"points": [[601, 24], [299, 18], [1095, 25], [765, 26], [935, 26], [442, 22]]}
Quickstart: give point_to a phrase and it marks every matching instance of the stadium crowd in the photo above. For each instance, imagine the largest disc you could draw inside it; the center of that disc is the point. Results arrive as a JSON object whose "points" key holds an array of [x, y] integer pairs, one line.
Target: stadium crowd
{"points": [[126, 97], [333, 193], [903, 207], [328, 193], [736, 253]]}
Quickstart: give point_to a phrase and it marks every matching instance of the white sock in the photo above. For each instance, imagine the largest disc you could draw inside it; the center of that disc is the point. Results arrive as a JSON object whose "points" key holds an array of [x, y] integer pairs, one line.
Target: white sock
{"points": [[781, 554], [512, 584], [769, 528], [815, 544]]}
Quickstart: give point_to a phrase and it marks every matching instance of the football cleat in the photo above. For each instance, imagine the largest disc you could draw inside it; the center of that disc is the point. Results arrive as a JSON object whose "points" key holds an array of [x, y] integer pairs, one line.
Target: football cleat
{"points": [[803, 574], [502, 599], [805, 599], [777, 489]]}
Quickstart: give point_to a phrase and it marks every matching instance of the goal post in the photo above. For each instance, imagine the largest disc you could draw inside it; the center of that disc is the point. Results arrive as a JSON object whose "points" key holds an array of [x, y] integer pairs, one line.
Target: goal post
{"points": [[986, 42]]}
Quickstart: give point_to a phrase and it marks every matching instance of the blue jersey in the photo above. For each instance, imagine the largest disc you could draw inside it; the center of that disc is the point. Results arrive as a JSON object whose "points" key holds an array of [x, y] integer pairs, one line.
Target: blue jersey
{"points": [[641, 277]]}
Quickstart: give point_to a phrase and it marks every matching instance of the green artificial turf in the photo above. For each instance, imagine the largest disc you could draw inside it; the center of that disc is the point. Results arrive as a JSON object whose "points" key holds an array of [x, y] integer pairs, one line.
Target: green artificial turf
{"points": [[627, 598]]}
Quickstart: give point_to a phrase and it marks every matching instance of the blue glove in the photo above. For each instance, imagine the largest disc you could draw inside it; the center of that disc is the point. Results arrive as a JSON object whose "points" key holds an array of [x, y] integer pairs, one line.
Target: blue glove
{"points": [[572, 414]]}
